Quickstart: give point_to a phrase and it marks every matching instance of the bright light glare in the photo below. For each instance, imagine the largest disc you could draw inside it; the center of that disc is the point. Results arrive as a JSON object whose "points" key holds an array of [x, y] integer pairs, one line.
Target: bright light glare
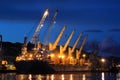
{"points": [[62, 76], [103, 60], [46, 13], [103, 76], [41, 25], [52, 77], [84, 55], [52, 55], [83, 77], [61, 56], [71, 77]]}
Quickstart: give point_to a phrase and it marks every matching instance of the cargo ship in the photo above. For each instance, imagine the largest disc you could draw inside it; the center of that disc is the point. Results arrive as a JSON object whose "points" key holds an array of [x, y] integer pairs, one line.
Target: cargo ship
{"points": [[42, 60]]}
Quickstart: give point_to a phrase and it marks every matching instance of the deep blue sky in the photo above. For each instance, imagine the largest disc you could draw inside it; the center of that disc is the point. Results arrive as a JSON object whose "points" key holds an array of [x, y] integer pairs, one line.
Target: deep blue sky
{"points": [[100, 19]]}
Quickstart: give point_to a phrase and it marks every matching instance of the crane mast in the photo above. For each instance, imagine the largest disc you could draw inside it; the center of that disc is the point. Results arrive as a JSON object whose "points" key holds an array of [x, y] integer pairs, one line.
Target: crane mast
{"points": [[59, 37], [68, 40], [82, 45], [50, 26], [70, 51], [63, 48], [40, 25], [53, 46]]}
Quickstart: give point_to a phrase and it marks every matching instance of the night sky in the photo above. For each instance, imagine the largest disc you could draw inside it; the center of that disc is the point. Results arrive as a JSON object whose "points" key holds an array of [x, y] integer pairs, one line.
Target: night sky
{"points": [[100, 19]]}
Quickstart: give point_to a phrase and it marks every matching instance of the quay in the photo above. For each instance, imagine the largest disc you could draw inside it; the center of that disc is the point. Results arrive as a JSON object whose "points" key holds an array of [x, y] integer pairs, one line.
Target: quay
{"points": [[8, 71]]}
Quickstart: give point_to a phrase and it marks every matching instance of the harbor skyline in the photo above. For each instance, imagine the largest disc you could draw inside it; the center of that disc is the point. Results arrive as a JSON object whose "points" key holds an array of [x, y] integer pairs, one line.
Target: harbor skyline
{"points": [[99, 19]]}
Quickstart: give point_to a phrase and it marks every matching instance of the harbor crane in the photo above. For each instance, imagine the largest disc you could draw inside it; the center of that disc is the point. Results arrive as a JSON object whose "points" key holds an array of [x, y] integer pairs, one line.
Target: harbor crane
{"points": [[36, 34], [50, 27], [53, 46], [63, 48], [78, 52], [71, 50], [40, 25]]}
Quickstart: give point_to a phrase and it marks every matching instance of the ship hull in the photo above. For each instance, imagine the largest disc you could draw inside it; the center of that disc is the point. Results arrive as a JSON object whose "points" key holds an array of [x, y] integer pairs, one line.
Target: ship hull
{"points": [[34, 67], [71, 68]]}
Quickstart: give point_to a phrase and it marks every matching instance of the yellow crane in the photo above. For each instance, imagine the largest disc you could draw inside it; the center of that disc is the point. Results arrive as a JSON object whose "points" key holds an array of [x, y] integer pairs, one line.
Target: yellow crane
{"points": [[63, 48], [53, 46], [71, 50], [78, 52]]}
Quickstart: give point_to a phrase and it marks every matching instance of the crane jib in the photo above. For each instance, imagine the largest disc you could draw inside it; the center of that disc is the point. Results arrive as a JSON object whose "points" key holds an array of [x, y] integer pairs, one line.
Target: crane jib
{"points": [[40, 25]]}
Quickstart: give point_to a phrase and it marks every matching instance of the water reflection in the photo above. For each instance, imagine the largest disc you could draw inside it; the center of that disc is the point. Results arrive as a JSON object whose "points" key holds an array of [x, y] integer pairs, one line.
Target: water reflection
{"points": [[29, 77], [103, 76], [118, 76], [74, 76], [20, 77], [83, 78], [7, 76], [52, 77], [71, 76]]}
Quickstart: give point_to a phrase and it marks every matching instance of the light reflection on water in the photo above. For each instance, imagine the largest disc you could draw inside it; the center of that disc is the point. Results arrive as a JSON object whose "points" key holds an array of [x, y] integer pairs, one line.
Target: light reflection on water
{"points": [[103, 76], [74, 76], [118, 76]]}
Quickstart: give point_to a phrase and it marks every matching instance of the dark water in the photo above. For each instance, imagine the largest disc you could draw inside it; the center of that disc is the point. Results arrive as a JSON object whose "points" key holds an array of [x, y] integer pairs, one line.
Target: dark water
{"points": [[74, 76]]}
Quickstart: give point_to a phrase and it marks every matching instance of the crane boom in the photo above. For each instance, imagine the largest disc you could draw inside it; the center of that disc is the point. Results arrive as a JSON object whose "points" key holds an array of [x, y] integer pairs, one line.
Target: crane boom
{"points": [[59, 36], [64, 48], [40, 25], [70, 51], [83, 43], [78, 52], [76, 42], [50, 26]]}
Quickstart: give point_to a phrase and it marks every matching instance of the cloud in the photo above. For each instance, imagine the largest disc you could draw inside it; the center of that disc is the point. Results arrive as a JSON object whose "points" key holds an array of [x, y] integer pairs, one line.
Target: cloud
{"points": [[94, 30], [114, 30]]}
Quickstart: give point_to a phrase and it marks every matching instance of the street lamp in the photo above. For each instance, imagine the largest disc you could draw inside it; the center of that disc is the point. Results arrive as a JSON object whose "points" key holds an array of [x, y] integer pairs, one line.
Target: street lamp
{"points": [[103, 63], [102, 60], [84, 55]]}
